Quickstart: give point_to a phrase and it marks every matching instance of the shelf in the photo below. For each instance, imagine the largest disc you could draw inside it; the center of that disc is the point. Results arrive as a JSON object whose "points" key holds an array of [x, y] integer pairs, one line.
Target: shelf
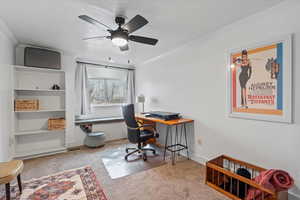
{"points": [[37, 153], [38, 90], [31, 137], [35, 69], [40, 111], [32, 132]]}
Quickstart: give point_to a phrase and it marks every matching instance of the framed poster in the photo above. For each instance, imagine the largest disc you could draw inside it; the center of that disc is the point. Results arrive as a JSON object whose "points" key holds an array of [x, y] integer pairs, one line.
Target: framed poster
{"points": [[259, 81]]}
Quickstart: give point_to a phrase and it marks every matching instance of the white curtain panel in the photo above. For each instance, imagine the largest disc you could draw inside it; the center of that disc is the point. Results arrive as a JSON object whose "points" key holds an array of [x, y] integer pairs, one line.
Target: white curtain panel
{"points": [[130, 87], [83, 103]]}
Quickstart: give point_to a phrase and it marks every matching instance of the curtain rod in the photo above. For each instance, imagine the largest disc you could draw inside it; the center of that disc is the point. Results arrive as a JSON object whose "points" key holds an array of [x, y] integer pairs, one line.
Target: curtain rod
{"points": [[103, 65]]}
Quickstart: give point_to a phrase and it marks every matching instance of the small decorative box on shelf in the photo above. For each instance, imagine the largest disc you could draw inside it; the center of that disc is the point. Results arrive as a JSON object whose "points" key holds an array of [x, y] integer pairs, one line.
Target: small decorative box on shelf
{"points": [[56, 124], [26, 105]]}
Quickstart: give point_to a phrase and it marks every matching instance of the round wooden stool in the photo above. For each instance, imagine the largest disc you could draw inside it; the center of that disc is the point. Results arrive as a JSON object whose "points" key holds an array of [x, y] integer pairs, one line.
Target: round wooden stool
{"points": [[9, 171]]}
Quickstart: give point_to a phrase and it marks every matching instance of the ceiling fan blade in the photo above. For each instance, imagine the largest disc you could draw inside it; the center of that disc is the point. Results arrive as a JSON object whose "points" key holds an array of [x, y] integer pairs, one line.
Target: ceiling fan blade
{"points": [[135, 23], [124, 48], [96, 37], [93, 21], [144, 40]]}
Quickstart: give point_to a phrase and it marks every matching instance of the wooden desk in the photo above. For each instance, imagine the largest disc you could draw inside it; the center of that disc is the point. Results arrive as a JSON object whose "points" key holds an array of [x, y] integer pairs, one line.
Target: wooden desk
{"points": [[176, 144], [161, 121]]}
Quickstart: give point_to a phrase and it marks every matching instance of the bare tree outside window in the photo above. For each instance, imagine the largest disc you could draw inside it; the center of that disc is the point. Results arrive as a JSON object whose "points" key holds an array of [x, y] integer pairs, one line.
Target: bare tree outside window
{"points": [[105, 91]]}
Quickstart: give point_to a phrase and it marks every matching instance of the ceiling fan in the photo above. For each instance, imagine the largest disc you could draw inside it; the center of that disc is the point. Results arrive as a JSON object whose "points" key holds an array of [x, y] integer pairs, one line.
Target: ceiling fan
{"points": [[122, 34]]}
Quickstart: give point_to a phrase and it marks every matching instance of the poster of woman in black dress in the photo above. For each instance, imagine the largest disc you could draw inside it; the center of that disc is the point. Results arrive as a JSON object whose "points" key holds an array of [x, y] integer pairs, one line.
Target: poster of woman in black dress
{"points": [[255, 73], [244, 76], [259, 81]]}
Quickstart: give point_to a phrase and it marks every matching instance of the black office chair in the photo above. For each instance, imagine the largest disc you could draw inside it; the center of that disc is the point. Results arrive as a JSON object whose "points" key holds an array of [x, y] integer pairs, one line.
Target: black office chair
{"points": [[136, 133]]}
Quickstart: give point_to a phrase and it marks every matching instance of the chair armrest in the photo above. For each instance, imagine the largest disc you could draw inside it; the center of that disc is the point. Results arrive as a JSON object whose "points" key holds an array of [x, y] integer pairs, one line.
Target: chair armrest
{"points": [[132, 128], [150, 126], [142, 125], [140, 122], [147, 125], [139, 127]]}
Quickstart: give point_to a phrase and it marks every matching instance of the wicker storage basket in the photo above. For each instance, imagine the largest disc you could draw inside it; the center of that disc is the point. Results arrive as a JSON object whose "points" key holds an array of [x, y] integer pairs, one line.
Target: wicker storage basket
{"points": [[221, 175], [26, 105], [56, 124]]}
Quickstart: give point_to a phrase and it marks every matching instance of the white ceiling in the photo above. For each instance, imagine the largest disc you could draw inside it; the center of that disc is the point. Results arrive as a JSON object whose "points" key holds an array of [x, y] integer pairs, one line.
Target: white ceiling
{"points": [[55, 23]]}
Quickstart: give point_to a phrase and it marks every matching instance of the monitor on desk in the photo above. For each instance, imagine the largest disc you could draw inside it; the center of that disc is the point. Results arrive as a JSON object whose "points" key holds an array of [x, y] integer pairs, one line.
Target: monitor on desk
{"points": [[163, 115]]}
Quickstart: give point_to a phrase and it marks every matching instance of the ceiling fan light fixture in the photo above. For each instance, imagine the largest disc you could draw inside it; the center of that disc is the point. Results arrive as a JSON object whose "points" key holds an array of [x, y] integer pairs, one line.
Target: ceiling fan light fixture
{"points": [[118, 41], [119, 38]]}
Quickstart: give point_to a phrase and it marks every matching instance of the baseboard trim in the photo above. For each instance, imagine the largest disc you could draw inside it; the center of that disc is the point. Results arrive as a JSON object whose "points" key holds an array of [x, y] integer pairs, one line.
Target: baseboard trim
{"points": [[72, 146], [199, 159], [295, 195], [41, 154]]}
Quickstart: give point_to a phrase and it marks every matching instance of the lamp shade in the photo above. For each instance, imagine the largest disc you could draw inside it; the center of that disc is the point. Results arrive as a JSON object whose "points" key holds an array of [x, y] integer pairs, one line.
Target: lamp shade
{"points": [[140, 99]]}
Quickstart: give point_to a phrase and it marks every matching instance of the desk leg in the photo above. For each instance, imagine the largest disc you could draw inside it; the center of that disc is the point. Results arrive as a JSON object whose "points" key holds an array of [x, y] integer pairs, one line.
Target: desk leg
{"points": [[173, 157], [166, 142], [186, 142], [174, 145], [180, 138], [176, 140]]}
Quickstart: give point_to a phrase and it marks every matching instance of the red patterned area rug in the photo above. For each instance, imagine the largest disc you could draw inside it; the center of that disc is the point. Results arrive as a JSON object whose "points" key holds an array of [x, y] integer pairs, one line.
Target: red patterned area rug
{"points": [[75, 184]]}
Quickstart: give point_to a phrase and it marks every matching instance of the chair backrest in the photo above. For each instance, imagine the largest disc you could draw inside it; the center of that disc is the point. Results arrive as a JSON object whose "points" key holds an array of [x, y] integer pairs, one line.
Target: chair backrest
{"points": [[129, 117]]}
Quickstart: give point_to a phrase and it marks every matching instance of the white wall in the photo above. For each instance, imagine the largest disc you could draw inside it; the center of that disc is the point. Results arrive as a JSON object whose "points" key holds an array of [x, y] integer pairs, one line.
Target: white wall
{"points": [[7, 43], [192, 80]]}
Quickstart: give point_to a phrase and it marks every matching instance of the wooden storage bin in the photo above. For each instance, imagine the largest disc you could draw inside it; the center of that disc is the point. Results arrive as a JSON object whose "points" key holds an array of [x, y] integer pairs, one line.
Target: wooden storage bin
{"points": [[26, 105], [221, 175], [56, 124]]}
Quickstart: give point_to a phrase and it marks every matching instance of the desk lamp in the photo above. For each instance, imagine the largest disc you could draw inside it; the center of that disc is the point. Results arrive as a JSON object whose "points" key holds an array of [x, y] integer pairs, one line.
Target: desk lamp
{"points": [[141, 99]]}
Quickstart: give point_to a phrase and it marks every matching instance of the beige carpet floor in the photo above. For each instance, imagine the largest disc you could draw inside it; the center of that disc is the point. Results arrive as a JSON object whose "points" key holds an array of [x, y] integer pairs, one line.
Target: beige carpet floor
{"points": [[183, 181]]}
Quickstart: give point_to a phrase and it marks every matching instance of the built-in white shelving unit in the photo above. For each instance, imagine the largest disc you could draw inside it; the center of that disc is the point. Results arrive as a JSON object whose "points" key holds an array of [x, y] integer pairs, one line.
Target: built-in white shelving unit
{"points": [[30, 128]]}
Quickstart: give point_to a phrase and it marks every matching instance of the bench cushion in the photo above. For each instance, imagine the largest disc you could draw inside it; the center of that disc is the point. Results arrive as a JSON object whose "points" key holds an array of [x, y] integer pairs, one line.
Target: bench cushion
{"points": [[10, 170]]}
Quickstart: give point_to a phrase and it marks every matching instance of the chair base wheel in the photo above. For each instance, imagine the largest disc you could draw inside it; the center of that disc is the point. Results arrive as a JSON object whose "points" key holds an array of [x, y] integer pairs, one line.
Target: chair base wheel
{"points": [[140, 151], [144, 157]]}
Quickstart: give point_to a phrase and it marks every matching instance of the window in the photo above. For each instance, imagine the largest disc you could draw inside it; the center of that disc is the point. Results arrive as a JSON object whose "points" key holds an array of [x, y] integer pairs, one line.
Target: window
{"points": [[107, 91], [107, 86]]}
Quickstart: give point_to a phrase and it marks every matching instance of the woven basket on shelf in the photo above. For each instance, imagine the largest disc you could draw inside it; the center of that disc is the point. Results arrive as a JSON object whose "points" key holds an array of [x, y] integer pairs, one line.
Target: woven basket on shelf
{"points": [[56, 124], [26, 105]]}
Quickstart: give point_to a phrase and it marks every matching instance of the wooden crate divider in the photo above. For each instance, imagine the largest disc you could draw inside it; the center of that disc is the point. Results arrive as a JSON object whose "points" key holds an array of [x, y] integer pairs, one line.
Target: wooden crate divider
{"points": [[223, 178]]}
